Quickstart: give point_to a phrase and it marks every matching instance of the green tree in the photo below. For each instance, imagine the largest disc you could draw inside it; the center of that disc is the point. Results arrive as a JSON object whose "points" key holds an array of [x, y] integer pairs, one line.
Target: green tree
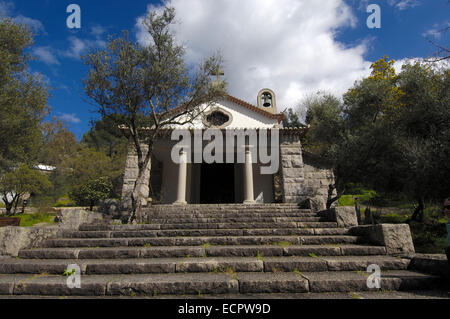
{"points": [[92, 192], [143, 83], [423, 132], [391, 134], [87, 165], [15, 184], [59, 143], [291, 119], [106, 136], [23, 99], [324, 118]]}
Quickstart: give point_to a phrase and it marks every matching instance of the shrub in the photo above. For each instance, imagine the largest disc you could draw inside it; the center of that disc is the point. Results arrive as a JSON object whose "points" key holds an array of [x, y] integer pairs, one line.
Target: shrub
{"points": [[92, 192]]}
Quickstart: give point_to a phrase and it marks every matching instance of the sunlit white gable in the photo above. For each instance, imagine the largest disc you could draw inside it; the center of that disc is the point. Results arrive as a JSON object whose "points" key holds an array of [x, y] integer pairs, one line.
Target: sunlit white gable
{"points": [[234, 116]]}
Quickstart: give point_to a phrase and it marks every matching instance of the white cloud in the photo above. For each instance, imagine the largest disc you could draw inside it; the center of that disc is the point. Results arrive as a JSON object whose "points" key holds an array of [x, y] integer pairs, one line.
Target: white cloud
{"points": [[404, 4], [437, 31], [288, 45], [97, 31], [6, 7], [70, 118], [78, 46], [34, 24], [76, 49], [7, 10], [46, 55]]}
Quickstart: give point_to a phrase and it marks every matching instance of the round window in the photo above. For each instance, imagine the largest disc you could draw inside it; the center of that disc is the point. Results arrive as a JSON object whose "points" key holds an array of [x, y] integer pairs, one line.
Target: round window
{"points": [[217, 118]]}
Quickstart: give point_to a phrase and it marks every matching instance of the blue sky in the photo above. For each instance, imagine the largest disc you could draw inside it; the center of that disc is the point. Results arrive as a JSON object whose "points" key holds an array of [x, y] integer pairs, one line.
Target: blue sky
{"points": [[295, 47]]}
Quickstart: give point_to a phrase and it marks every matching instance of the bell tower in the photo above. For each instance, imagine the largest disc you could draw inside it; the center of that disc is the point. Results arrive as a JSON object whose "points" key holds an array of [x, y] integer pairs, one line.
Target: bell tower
{"points": [[267, 101]]}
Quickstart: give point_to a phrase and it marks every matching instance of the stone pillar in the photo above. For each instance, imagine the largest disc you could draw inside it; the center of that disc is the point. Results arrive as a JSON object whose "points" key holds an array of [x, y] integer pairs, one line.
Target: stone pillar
{"points": [[248, 178], [291, 170], [130, 176], [182, 177]]}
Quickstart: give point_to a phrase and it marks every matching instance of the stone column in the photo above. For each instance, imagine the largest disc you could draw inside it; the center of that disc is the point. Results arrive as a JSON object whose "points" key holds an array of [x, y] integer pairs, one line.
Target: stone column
{"points": [[248, 178], [182, 176]]}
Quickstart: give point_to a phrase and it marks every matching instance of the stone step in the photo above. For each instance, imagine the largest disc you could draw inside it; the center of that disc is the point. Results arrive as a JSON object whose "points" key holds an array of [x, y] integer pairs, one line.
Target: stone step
{"points": [[203, 264], [206, 232], [202, 251], [198, 241], [226, 207], [199, 283], [237, 220], [164, 215], [437, 293], [392, 280], [249, 225]]}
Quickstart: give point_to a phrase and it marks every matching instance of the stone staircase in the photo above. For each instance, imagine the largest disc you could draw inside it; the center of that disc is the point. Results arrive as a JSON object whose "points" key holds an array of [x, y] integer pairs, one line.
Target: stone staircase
{"points": [[209, 250]]}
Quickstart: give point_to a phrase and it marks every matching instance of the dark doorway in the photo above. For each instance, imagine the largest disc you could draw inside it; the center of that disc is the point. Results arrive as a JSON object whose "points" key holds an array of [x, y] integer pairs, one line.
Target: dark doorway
{"points": [[217, 184]]}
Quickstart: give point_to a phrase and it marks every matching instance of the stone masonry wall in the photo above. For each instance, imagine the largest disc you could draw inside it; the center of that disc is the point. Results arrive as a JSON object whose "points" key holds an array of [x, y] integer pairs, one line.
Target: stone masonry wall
{"points": [[292, 169], [317, 180], [303, 177], [130, 176]]}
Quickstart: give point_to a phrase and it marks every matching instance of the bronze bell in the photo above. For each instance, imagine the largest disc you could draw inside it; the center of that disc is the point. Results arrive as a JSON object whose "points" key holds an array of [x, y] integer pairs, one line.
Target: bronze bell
{"points": [[267, 100]]}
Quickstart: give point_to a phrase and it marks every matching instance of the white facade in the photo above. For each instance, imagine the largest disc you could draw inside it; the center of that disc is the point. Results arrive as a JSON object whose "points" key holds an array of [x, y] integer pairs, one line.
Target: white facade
{"points": [[240, 116]]}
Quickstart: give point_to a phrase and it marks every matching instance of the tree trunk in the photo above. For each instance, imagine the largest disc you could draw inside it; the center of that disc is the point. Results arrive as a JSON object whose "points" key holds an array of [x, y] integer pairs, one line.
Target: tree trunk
{"points": [[418, 211], [137, 195], [8, 206], [15, 205], [330, 199], [358, 211], [368, 218]]}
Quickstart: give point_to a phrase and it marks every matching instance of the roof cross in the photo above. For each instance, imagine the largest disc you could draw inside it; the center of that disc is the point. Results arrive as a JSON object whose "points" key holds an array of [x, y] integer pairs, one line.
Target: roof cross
{"points": [[218, 73]]}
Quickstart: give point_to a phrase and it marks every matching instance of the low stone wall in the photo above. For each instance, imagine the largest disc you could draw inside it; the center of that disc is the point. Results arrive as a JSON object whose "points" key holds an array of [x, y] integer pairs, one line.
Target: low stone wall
{"points": [[13, 239], [344, 216], [434, 264], [395, 237], [73, 218]]}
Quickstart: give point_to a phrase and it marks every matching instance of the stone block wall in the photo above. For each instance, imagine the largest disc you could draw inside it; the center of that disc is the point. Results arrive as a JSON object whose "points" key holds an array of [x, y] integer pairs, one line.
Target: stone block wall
{"points": [[317, 179], [302, 176], [292, 169]]}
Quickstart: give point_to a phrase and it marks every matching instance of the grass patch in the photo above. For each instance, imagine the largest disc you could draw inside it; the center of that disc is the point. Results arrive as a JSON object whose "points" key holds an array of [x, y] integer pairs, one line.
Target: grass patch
{"points": [[313, 255], [365, 196], [362, 273], [259, 256], [29, 220], [206, 245], [354, 295], [230, 272], [298, 272], [283, 244], [346, 200], [65, 202]]}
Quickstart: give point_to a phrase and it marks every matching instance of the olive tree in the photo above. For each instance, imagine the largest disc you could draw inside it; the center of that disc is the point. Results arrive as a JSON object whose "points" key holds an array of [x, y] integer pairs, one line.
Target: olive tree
{"points": [[15, 184], [143, 84]]}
